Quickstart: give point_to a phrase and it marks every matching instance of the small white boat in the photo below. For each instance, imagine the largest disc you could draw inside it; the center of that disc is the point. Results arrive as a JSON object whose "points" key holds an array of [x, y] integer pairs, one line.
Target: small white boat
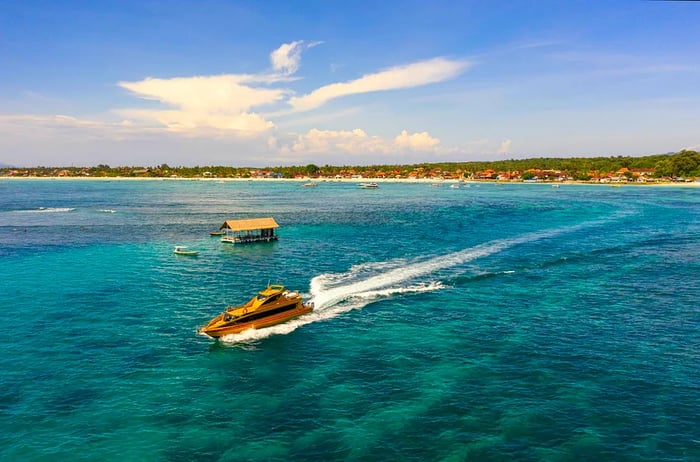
{"points": [[181, 250], [369, 185], [310, 185]]}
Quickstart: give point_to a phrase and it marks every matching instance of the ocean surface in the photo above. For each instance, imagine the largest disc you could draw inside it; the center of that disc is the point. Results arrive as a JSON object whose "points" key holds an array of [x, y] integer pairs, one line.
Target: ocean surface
{"points": [[516, 322]]}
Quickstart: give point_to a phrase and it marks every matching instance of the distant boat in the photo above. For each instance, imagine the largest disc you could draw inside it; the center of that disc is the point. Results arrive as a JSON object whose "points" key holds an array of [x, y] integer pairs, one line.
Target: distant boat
{"points": [[180, 250], [216, 233], [310, 185], [369, 185]]}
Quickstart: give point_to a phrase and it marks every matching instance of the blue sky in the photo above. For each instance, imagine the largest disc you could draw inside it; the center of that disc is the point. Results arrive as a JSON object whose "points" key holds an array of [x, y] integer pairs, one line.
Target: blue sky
{"points": [[250, 83]]}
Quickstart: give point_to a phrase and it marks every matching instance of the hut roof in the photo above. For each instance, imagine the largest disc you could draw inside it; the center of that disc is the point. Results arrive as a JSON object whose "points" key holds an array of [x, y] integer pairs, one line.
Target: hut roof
{"points": [[250, 224]]}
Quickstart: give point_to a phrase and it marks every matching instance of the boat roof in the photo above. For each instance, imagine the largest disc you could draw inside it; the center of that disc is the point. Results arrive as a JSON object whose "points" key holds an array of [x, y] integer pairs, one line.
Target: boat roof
{"points": [[272, 289], [250, 224]]}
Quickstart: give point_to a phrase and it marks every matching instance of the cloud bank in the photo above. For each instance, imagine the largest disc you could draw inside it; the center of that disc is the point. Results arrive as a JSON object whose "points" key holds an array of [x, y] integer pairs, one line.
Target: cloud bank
{"points": [[232, 104], [241, 108], [357, 141]]}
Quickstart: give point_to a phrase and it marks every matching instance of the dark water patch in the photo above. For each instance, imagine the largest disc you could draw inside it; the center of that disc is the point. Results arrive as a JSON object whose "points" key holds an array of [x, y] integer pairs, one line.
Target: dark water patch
{"points": [[139, 359], [11, 397], [69, 400]]}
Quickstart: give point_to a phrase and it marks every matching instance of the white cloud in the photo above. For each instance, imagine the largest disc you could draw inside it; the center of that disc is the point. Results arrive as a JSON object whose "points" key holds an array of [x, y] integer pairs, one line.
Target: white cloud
{"points": [[221, 93], [286, 58], [204, 123], [410, 75], [319, 141], [64, 126], [204, 103], [359, 142], [416, 142], [504, 148]]}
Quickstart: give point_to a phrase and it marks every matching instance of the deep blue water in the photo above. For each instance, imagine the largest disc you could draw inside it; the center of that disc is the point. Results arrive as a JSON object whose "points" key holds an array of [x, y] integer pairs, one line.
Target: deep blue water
{"points": [[519, 322]]}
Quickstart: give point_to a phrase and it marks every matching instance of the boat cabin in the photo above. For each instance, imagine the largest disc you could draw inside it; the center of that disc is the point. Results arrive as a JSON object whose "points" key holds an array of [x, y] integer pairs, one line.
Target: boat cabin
{"points": [[249, 230]]}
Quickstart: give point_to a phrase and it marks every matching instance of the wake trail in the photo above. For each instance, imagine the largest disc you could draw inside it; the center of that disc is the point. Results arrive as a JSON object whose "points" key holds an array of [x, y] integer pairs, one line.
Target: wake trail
{"points": [[324, 295], [337, 293]]}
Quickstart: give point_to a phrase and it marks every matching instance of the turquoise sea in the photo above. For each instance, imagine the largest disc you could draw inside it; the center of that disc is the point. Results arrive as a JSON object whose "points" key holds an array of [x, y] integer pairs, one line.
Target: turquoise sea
{"points": [[487, 323]]}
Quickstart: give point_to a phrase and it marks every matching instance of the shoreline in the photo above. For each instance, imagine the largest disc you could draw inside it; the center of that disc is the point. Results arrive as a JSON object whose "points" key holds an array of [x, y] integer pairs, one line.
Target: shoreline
{"points": [[354, 180]]}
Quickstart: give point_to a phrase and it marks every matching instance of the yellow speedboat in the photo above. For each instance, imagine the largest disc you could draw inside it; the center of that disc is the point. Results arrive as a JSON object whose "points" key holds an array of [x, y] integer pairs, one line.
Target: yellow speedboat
{"points": [[271, 306]]}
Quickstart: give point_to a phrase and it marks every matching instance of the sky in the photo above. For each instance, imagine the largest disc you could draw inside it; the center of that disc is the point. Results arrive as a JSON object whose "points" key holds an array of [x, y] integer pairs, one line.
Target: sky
{"points": [[268, 83]]}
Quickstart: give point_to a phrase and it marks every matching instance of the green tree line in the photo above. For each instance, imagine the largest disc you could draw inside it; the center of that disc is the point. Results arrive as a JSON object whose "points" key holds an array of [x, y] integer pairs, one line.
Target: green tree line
{"points": [[685, 163]]}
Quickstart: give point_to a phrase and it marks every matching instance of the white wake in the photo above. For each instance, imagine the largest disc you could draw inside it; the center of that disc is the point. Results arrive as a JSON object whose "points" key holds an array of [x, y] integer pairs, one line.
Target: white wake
{"points": [[336, 293], [48, 210]]}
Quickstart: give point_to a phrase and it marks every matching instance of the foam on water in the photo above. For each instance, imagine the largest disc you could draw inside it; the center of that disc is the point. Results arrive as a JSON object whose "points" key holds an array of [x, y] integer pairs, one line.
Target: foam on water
{"points": [[48, 210]]}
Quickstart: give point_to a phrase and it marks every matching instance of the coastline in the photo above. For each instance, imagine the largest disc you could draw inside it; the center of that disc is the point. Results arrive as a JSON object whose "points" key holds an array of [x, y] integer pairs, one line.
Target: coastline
{"points": [[430, 181]]}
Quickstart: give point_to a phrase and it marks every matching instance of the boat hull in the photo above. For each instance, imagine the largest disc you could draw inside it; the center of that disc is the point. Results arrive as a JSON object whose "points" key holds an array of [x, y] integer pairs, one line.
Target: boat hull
{"points": [[215, 330]]}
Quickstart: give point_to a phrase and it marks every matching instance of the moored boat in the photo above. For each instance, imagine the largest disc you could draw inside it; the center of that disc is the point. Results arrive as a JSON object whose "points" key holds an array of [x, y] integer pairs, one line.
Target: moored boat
{"points": [[181, 250], [273, 305], [369, 185]]}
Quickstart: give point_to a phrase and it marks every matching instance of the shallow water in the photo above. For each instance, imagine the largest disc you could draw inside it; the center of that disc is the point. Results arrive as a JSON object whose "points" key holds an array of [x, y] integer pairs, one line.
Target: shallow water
{"points": [[483, 323]]}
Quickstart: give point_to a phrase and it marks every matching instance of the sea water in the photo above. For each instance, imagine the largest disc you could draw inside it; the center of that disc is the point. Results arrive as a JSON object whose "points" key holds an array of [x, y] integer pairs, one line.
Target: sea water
{"points": [[516, 322]]}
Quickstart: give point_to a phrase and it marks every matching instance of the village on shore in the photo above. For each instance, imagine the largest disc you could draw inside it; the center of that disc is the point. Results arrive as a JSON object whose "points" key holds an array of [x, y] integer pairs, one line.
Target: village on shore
{"points": [[622, 176], [681, 167]]}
